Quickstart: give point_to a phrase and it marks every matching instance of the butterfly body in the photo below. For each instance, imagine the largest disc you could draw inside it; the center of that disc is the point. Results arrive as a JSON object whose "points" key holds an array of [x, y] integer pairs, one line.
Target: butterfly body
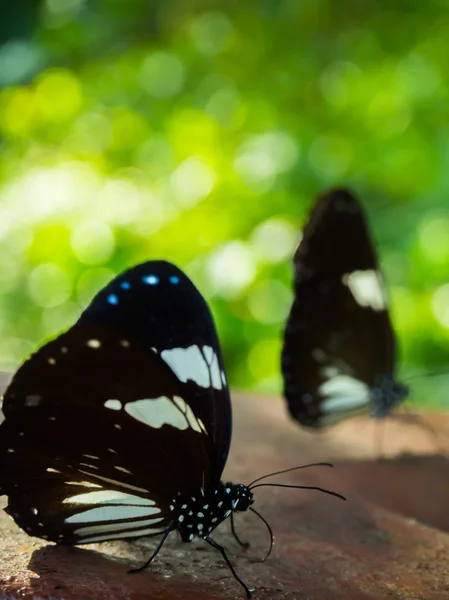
{"points": [[339, 355], [386, 394], [199, 516]]}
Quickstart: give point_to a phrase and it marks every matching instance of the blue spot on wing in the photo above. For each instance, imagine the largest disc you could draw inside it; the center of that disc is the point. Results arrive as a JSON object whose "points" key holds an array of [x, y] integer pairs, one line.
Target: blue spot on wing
{"points": [[151, 279], [125, 285], [174, 279], [113, 299]]}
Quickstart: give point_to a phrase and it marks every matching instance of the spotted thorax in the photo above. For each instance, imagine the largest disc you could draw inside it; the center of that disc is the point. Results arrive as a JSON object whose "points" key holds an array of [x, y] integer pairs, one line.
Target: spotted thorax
{"points": [[201, 515]]}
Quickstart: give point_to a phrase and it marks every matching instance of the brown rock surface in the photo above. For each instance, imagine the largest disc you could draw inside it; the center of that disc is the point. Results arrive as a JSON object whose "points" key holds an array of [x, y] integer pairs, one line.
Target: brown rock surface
{"points": [[388, 541]]}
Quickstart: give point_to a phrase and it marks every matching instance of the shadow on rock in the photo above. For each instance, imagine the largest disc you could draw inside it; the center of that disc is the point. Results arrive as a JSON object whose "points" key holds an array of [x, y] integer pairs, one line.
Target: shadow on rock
{"points": [[182, 571], [69, 573]]}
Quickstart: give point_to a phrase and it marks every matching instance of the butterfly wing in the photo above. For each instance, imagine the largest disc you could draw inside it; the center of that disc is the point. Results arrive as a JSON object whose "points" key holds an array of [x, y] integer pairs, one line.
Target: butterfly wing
{"points": [[157, 304], [98, 440], [339, 342], [102, 431]]}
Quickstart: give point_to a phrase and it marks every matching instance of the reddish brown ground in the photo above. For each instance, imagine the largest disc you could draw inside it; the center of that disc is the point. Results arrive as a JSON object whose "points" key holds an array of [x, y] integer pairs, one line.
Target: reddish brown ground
{"points": [[388, 541]]}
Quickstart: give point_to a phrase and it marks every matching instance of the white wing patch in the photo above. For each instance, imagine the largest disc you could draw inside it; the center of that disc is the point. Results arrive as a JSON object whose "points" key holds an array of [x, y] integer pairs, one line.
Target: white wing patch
{"points": [[191, 363], [329, 372], [341, 403], [188, 363], [163, 411], [114, 536], [113, 527], [82, 483], [114, 481], [112, 513], [107, 497], [209, 354], [111, 505], [214, 367], [343, 392], [367, 288], [188, 413], [113, 404]]}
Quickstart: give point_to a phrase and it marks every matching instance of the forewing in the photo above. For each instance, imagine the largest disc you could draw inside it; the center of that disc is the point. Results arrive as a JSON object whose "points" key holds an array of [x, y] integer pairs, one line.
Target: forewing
{"points": [[338, 338], [157, 304], [92, 412]]}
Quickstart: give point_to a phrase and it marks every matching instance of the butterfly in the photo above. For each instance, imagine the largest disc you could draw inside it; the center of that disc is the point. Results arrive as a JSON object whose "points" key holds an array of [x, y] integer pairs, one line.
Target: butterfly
{"points": [[339, 351], [121, 426]]}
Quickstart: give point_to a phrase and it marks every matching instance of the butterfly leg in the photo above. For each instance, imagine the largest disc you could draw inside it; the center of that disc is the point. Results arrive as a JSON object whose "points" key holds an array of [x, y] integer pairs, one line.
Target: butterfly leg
{"points": [[379, 434], [234, 533], [156, 552], [228, 562], [270, 531]]}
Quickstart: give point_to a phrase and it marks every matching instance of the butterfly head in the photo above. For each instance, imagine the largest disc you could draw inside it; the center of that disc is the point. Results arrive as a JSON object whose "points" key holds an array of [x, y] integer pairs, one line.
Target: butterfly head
{"points": [[198, 516], [386, 394], [242, 496]]}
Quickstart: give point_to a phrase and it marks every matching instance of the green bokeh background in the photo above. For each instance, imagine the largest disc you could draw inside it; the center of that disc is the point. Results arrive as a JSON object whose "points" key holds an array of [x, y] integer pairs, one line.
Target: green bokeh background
{"points": [[201, 132]]}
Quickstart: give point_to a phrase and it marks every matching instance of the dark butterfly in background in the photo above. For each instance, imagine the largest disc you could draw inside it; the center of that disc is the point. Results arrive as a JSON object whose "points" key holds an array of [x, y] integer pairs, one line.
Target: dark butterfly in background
{"points": [[339, 352], [120, 427]]}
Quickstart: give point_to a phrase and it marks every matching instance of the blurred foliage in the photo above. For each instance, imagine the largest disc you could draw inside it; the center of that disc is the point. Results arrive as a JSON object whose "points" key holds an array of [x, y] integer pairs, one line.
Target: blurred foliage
{"points": [[201, 132]]}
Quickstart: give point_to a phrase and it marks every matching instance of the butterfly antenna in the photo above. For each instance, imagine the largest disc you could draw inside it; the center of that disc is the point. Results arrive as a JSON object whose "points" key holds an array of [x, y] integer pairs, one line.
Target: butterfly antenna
{"points": [[318, 464], [270, 531], [425, 374], [301, 487]]}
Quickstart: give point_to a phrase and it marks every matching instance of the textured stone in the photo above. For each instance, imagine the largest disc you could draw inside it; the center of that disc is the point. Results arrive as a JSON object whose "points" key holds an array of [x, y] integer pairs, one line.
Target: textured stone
{"points": [[389, 540]]}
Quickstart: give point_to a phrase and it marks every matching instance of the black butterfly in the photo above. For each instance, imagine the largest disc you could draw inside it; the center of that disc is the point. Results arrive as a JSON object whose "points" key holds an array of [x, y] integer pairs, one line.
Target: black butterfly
{"points": [[339, 355], [121, 426]]}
